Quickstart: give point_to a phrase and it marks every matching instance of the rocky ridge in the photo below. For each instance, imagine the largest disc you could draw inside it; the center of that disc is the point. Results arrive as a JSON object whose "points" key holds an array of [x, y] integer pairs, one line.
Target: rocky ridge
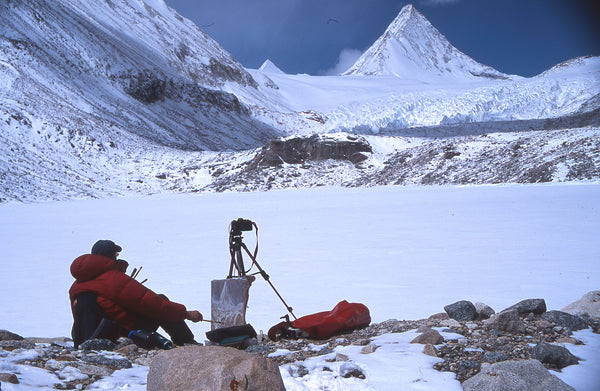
{"points": [[357, 160], [522, 332]]}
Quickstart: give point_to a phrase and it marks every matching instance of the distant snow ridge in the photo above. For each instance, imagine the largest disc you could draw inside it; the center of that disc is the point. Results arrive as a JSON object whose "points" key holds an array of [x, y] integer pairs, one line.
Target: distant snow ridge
{"points": [[412, 48]]}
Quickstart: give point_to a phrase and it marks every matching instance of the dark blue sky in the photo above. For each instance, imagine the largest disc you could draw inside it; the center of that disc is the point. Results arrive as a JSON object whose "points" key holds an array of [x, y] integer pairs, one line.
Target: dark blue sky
{"points": [[523, 37]]}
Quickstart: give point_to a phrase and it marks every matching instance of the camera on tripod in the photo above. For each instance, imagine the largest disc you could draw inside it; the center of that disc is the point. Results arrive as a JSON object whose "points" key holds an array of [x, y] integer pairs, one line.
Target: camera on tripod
{"points": [[239, 225], [236, 264]]}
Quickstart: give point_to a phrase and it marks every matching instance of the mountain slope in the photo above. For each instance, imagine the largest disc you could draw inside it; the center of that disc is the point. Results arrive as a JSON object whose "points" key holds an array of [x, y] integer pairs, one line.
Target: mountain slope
{"points": [[411, 48], [139, 66], [125, 97]]}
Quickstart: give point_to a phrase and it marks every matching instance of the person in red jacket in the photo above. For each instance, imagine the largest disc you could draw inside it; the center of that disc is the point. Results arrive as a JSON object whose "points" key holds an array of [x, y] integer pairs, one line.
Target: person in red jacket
{"points": [[107, 303]]}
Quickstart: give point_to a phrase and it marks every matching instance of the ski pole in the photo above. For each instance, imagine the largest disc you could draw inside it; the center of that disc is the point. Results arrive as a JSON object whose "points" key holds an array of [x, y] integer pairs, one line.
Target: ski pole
{"points": [[210, 321]]}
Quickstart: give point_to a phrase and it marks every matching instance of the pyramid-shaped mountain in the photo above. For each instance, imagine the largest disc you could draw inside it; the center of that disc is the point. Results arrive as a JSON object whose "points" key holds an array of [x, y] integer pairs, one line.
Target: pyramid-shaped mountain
{"points": [[412, 48]]}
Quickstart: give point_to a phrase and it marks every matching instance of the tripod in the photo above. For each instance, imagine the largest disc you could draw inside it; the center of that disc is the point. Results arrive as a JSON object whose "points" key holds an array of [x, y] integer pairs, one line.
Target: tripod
{"points": [[236, 244]]}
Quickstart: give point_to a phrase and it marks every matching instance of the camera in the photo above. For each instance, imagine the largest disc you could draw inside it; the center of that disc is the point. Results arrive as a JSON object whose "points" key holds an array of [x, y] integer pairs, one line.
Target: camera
{"points": [[239, 225]]}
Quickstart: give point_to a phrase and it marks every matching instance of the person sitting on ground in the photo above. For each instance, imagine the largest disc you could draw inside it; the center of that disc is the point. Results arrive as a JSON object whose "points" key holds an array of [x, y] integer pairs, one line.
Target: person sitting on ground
{"points": [[107, 303]]}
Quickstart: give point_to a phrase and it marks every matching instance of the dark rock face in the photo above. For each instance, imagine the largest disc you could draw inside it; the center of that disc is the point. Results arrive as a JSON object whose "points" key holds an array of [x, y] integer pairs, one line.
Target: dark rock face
{"points": [[297, 150], [462, 311], [149, 87], [222, 71], [145, 86]]}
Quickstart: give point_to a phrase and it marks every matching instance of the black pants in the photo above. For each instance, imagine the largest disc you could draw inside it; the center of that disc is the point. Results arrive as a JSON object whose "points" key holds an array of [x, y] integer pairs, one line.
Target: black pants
{"points": [[179, 331], [90, 321]]}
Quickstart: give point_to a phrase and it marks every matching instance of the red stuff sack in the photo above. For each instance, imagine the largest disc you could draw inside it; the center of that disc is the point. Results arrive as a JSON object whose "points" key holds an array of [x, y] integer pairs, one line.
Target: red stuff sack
{"points": [[344, 316]]}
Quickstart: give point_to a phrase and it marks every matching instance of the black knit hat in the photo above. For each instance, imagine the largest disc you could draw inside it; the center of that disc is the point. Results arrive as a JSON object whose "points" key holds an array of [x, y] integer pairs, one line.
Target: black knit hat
{"points": [[108, 248]]}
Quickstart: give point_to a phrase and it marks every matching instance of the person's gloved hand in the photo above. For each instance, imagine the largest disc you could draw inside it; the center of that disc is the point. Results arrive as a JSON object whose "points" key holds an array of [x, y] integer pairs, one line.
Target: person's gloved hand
{"points": [[194, 316]]}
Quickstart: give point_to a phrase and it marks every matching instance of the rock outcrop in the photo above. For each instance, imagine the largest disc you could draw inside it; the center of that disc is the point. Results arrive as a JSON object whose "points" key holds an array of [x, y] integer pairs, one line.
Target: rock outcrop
{"points": [[297, 150]]}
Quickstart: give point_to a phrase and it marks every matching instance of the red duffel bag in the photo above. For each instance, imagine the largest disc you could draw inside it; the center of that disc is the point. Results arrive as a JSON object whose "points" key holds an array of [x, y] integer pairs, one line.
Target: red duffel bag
{"points": [[344, 316]]}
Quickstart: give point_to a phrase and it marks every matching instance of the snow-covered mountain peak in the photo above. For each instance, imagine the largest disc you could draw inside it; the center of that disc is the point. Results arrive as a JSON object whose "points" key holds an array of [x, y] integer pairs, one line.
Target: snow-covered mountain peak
{"points": [[407, 14], [412, 48], [269, 67]]}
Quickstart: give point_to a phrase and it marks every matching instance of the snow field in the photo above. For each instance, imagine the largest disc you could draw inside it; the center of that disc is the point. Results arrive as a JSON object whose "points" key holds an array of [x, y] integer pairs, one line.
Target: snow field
{"points": [[405, 252]]}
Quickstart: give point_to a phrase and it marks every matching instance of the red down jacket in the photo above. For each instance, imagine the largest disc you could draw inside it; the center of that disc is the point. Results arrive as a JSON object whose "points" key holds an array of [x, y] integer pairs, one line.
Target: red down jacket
{"points": [[122, 298]]}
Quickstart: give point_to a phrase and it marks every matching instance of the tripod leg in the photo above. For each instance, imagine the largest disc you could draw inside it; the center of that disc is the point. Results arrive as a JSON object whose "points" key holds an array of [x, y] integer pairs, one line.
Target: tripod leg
{"points": [[231, 264], [239, 263], [267, 279]]}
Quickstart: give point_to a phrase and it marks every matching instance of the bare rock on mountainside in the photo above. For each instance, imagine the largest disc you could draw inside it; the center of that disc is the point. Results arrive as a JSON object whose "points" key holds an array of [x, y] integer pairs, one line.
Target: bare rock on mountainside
{"points": [[298, 150]]}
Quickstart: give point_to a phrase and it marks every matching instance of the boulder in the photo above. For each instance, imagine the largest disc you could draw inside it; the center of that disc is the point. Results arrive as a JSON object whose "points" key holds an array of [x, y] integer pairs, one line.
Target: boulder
{"points": [[439, 316], [524, 375], [484, 311], [535, 306], [462, 311], [349, 369], [368, 349], [509, 321], [297, 370], [212, 368], [429, 350], [98, 344], [6, 335], [564, 319], [589, 304], [494, 357], [110, 361], [8, 378], [429, 337], [553, 355]]}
